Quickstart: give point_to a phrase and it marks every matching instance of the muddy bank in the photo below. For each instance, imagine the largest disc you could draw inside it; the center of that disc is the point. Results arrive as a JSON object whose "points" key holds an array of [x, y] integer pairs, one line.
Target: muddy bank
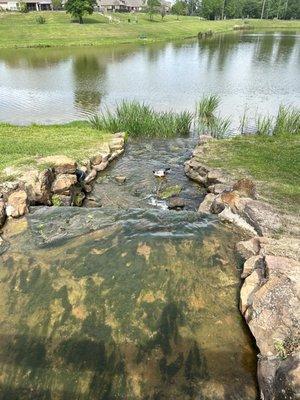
{"points": [[269, 297]]}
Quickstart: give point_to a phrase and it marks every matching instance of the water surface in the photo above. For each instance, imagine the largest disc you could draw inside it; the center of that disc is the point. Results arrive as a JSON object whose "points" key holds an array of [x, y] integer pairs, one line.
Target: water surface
{"points": [[253, 70]]}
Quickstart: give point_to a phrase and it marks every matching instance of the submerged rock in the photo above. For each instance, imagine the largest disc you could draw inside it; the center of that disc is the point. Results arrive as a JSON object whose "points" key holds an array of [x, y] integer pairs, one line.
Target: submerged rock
{"points": [[170, 191], [176, 203], [120, 179]]}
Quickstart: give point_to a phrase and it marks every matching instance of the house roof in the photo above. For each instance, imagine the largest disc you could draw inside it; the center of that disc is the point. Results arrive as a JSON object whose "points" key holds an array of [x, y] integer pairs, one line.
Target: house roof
{"points": [[129, 3]]}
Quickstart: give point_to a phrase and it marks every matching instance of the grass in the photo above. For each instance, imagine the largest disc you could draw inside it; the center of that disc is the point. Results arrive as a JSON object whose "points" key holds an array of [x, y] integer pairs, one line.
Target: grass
{"points": [[138, 119], [274, 161], [22, 30], [207, 119], [21, 145]]}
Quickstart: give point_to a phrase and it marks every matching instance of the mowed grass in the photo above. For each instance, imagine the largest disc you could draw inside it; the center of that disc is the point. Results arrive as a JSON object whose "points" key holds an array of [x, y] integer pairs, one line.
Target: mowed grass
{"points": [[273, 161], [21, 145], [22, 30]]}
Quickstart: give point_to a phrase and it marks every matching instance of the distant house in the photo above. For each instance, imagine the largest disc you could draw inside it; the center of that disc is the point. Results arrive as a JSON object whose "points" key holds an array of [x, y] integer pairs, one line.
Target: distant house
{"points": [[32, 5], [120, 5]]}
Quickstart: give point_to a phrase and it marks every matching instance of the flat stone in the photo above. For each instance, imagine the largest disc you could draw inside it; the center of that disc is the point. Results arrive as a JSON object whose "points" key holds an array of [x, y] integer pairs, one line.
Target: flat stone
{"points": [[101, 167], [120, 179], [248, 248], [228, 216], [61, 164], [205, 206], [63, 183], [17, 204], [249, 287]]}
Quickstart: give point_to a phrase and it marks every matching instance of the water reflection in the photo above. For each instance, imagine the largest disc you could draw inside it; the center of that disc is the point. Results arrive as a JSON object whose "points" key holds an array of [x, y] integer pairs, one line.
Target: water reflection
{"points": [[259, 70]]}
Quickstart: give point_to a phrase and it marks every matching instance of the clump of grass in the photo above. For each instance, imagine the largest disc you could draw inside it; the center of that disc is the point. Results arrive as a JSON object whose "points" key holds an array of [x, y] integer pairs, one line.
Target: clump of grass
{"points": [[206, 109], [264, 125], [220, 127], [40, 20], [287, 121], [142, 120]]}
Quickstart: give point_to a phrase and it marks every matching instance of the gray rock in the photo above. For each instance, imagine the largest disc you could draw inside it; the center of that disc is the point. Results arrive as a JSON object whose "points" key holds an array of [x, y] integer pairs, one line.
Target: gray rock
{"points": [[63, 183], [248, 248], [120, 179], [228, 216], [206, 204], [176, 203]]}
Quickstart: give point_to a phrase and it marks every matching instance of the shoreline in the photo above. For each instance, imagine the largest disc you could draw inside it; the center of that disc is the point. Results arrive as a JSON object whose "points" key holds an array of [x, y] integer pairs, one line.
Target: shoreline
{"points": [[270, 274], [97, 32]]}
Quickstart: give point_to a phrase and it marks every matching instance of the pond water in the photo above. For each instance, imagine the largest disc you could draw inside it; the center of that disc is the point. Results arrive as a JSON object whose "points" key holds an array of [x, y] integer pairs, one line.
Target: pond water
{"points": [[254, 70]]}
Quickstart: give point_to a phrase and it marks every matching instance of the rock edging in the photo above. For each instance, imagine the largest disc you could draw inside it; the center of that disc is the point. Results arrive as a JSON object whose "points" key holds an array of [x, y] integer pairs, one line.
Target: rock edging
{"points": [[62, 182], [269, 297]]}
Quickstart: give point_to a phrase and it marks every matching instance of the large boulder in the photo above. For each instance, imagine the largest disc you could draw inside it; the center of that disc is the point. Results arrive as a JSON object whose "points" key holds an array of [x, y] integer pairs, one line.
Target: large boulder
{"points": [[206, 204], [61, 164], [17, 204], [248, 248], [63, 183], [38, 186], [228, 216]]}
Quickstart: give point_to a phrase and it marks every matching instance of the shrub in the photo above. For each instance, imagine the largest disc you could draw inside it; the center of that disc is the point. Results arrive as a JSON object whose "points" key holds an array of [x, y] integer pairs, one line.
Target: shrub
{"points": [[141, 120], [40, 20], [23, 7]]}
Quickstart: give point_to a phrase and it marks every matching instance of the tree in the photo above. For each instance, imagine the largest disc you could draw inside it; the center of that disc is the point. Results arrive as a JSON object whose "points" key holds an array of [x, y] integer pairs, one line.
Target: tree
{"points": [[79, 8], [57, 4], [179, 8], [163, 11], [153, 6]]}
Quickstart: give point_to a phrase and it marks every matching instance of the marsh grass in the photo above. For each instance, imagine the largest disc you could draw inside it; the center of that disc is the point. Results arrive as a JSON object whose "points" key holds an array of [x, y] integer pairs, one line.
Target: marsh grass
{"points": [[287, 121], [206, 109], [264, 125], [139, 119]]}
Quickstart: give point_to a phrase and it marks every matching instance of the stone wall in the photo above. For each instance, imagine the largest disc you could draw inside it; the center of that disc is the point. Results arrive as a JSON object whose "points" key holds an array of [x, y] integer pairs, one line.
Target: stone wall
{"points": [[269, 297]]}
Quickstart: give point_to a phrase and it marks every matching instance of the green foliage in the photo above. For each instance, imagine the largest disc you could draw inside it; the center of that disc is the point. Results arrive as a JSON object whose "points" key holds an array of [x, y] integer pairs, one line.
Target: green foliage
{"points": [[57, 4], [206, 109], [40, 20], [279, 347], [153, 7], [179, 8], [79, 8], [23, 7], [264, 125], [56, 201], [141, 120], [287, 121]]}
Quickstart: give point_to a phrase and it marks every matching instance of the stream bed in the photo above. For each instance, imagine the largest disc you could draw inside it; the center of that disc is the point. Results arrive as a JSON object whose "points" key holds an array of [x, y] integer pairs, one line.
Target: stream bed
{"points": [[125, 301]]}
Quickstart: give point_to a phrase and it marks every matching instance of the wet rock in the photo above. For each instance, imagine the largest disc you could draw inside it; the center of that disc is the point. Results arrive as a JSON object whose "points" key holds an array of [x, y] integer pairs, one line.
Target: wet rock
{"points": [[2, 213], [245, 187], [261, 216], [170, 191], [218, 188], [4, 246], [38, 186], [196, 171], [61, 164], [63, 183], [87, 188], [101, 167], [61, 200], [206, 204], [78, 198], [120, 179], [176, 203], [228, 216], [254, 262], [248, 248], [17, 204]]}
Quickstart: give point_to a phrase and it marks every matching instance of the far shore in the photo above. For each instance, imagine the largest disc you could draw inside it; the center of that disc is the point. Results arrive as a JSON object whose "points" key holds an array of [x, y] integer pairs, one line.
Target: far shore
{"points": [[22, 30]]}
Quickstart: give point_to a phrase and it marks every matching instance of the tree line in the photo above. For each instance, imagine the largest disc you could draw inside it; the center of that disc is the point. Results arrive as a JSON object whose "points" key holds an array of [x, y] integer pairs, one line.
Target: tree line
{"points": [[224, 9]]}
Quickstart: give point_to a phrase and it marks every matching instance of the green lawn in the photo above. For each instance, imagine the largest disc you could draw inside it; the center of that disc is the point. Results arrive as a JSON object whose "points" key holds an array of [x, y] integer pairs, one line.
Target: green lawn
{"points": [[20, 145], [22, 30], [273, 161]]}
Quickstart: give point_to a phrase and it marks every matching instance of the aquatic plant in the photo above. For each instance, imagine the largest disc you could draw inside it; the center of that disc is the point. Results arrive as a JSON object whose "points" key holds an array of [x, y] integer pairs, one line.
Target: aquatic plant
{"points": [[220, 127], [139, 119], [206, 109], [287, 121], [264, 125]]}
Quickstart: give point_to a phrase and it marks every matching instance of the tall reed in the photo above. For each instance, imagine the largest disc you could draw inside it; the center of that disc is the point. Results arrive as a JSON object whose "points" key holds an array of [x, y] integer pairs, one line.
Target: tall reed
{"points": [[142, 120], [287, 121]]}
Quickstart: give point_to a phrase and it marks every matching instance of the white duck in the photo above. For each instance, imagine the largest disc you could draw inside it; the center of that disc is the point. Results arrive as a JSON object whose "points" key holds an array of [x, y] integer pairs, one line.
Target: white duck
{"points": [[161, 173]]}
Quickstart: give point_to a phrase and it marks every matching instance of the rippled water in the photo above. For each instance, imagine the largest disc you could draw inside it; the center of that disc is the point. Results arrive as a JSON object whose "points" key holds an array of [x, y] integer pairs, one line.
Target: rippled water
{"points": [[138, 304], [254, 70]]}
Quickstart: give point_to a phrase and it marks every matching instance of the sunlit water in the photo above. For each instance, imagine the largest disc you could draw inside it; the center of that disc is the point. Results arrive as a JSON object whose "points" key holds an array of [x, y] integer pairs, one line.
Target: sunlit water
{"points": [[253, 71]]}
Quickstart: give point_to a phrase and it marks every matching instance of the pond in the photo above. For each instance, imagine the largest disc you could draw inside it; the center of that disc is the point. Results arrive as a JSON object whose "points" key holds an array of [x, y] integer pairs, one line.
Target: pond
{"points": [[257, 71]]}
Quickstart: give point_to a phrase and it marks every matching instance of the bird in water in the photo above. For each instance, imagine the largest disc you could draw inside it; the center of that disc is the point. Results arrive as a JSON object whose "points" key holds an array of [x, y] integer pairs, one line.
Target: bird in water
{"points": [[161, 173]]}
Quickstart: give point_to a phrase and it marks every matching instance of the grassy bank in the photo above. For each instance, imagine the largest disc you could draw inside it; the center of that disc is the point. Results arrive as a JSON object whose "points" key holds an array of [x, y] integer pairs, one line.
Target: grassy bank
{"points": [[273, 161], [22, 145], [22, 30]]}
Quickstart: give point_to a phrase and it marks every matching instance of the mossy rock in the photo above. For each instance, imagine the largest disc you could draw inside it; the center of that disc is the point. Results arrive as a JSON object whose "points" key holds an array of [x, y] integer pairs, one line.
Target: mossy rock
{"points": [[170, 191]]}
